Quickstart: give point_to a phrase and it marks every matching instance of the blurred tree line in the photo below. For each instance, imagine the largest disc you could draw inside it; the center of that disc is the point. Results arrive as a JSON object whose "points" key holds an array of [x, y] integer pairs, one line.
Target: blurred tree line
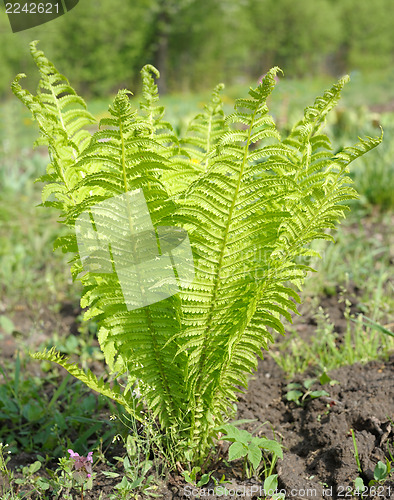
{"points": [[102, 44]]}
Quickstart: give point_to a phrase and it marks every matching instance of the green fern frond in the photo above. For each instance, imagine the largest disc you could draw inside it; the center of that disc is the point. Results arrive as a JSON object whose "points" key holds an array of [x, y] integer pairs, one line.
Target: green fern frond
{"points": [[161, 130], [62, 117], [225, 234], [249, 202], [205, 130], [126, 158], [196, 147], [132, 405]]}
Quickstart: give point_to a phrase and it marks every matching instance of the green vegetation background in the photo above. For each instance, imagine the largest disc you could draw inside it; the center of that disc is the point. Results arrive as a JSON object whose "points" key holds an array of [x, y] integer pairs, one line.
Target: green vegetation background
{"points": [[195, 44]]}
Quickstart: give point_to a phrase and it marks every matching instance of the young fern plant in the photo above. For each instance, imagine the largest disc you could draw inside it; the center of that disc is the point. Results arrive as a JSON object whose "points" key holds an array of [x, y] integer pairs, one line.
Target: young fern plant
{"points": [[251, 204]]}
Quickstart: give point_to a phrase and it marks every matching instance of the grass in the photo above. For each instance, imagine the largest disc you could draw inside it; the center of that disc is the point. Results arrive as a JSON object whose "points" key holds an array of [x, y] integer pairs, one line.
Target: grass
{"points": [[362, 254], [41, 410], [30, 272], [40, 416], [327, 350], [374, 175]]}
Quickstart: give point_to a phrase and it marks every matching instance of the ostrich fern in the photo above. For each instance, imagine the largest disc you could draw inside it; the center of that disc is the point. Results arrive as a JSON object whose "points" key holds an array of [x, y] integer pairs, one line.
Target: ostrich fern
{"points": [[251, 203]]}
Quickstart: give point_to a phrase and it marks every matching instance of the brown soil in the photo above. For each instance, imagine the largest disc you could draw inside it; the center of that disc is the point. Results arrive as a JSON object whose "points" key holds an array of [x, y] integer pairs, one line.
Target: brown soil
{"points": [[317, 438], [319, 458]]}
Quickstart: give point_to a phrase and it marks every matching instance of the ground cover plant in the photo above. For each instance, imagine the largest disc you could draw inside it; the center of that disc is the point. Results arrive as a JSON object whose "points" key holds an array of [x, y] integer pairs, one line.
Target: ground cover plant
{"points": [[251, 203]]}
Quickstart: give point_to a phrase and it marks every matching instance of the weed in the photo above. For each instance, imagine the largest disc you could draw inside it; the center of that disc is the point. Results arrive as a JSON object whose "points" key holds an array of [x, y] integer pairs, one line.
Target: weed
{"points": [[191, 477], [302, 393], [356, 456], [7, 476], [381, 472], [271, 486], [135, 478], [250, 448], [221, 481], [31, 483]]}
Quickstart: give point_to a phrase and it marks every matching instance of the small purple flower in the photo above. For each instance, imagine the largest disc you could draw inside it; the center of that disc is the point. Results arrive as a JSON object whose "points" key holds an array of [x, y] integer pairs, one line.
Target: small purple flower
{"points": [[82, 464]]}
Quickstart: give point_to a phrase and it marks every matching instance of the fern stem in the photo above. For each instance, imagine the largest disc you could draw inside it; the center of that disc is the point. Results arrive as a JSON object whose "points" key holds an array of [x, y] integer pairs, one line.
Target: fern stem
{"points": [[124, 164], [209, 140]]}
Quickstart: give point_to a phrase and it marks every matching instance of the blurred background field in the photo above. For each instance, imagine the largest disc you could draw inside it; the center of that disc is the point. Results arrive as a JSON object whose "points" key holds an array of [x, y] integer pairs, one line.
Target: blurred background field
{"points": [[102, 45], [197, 44]]}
